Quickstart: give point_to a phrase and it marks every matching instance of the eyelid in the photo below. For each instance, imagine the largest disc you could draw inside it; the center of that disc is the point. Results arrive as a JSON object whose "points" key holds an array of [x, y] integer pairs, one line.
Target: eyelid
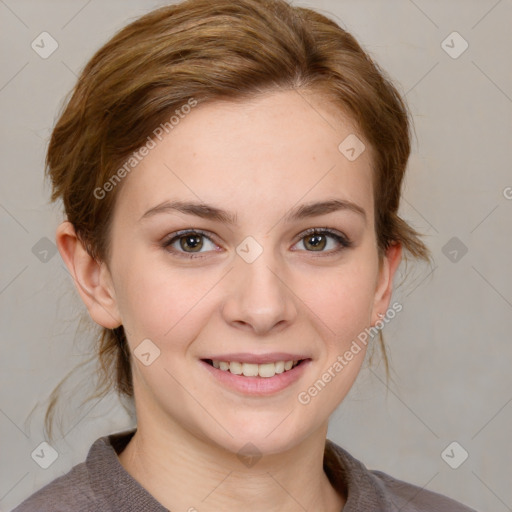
{"points": [[173, 237], [182, 232], [325, 231]]}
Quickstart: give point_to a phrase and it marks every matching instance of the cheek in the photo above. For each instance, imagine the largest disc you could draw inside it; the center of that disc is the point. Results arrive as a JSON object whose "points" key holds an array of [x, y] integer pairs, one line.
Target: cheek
{"points": [[163, 303], [342, 299]]}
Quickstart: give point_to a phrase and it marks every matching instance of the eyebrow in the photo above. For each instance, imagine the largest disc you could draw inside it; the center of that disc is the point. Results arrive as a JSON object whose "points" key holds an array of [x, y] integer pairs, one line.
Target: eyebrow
{"points": [[211, 212]]}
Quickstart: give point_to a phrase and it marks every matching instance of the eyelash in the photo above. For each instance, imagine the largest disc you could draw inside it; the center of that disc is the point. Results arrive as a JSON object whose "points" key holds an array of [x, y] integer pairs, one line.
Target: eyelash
{"points": [[341, 239]]}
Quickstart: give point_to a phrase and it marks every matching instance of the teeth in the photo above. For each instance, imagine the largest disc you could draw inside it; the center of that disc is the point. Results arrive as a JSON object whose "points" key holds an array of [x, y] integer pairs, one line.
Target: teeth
{"points": [[255, 370], [236, 368], [279, 366], [249, 369], [267, 370]]}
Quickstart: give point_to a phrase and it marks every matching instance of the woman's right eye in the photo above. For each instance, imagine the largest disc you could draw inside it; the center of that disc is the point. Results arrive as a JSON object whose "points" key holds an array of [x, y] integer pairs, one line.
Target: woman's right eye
{"points": [[180, 243]]}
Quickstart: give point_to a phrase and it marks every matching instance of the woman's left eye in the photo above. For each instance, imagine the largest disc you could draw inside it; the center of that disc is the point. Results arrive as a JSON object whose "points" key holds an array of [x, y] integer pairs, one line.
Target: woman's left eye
{"points": [[190, 242], [316, 240]]}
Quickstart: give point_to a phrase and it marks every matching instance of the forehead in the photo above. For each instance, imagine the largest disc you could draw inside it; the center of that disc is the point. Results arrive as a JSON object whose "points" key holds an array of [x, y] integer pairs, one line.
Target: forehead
{"points": [[273, 150]]}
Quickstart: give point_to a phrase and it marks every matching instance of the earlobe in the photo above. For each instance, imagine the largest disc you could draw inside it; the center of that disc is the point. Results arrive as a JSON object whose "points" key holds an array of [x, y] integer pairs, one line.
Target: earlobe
{"points": [[91, 277], [384, 288]]}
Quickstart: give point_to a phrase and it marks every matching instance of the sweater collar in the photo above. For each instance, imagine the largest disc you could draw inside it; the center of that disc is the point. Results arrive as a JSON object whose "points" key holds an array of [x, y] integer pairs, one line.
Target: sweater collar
{"points": [[110, 480], [354, 480]]}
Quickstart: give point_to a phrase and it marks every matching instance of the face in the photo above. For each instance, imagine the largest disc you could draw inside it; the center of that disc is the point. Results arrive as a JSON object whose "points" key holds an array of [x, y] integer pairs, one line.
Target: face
{"points": [[241, 280]]}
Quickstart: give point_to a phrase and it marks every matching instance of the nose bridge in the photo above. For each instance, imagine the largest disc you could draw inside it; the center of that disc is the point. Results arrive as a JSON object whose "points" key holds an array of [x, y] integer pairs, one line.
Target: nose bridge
{"points": [[258, 296]]}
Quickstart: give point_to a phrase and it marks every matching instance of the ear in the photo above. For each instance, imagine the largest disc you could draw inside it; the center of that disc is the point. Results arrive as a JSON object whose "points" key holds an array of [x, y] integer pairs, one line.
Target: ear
{"points": [[92, 278], [384, 289]]}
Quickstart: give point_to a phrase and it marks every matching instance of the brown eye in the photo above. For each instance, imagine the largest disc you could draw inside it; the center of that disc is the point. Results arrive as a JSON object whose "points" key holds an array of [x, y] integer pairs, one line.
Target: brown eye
{"points": [[189, 244], [315, 242], [318, 240], [193, 242]]}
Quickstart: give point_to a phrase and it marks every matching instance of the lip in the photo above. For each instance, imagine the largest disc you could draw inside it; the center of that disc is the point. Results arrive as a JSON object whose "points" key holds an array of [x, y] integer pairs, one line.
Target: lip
{"points": [[257, 386]]}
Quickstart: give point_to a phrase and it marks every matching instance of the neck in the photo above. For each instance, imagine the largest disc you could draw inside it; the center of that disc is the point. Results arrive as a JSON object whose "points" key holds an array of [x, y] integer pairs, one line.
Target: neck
{"points": [[184, 472]]}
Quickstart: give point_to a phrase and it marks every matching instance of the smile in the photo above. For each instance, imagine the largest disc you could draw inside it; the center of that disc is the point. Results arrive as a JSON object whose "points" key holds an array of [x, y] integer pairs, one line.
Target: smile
{"points": [[265, 370]]}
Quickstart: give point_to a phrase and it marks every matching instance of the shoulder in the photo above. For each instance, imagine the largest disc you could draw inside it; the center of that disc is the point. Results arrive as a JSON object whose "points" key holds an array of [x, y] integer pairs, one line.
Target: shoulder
{"points": [[412, 498], [92, 484], [69, 492], [369, 490]]}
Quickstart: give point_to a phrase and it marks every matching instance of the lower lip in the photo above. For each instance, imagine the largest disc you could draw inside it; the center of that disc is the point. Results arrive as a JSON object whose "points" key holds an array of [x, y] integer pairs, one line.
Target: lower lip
{"points": [[258, 386]]}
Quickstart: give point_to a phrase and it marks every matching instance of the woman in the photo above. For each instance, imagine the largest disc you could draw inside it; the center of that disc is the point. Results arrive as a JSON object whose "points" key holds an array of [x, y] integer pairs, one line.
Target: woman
{"points": [[231, 176]]}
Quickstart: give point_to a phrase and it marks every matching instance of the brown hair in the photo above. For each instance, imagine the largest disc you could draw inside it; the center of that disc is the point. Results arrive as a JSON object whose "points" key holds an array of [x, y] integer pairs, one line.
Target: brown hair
{"points": [[210, 50]]}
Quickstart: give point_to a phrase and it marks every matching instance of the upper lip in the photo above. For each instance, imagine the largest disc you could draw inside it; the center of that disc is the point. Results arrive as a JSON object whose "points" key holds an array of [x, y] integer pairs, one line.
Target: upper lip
{"points": [[245, 357]]}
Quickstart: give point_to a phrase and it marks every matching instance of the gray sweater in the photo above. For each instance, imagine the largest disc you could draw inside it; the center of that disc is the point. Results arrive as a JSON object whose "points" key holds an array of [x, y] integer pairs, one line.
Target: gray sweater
{"points": [[102, 484]]}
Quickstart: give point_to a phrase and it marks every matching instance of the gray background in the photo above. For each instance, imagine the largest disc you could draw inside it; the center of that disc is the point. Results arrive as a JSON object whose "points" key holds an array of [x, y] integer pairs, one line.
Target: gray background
{"points": [[450, 347]]}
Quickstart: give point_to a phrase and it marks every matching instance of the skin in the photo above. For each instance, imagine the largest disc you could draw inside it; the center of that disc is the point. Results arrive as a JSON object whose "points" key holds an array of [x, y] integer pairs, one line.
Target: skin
{"points": [[257, 159]]}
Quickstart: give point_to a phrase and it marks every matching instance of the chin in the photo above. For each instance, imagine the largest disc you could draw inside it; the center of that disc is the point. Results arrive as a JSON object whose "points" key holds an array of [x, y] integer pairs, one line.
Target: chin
{"points": [[266, 434]]}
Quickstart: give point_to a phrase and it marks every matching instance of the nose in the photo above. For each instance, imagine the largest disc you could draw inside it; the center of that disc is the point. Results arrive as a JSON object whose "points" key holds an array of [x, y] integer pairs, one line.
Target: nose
{"points": [[259, 299]]}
